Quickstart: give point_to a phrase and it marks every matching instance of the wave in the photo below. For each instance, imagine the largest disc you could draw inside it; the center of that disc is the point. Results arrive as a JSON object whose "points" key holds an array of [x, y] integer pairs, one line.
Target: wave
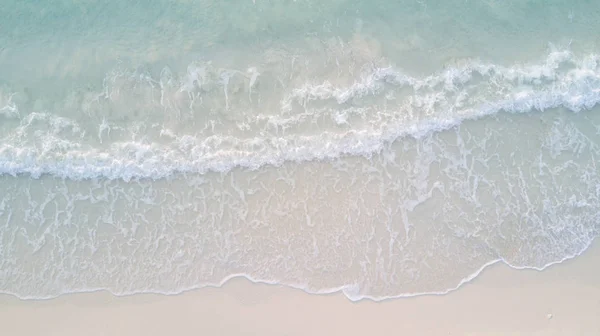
{"points": [[510, 189], [437, 102]]}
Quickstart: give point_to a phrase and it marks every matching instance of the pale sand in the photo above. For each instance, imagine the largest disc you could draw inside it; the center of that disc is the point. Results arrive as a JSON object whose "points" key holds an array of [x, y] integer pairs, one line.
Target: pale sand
{"points": [[562, 300]]}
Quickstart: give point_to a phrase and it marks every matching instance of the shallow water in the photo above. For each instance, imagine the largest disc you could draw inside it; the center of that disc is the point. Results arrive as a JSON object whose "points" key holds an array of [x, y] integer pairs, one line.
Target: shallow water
{"points": [[379, 148]]}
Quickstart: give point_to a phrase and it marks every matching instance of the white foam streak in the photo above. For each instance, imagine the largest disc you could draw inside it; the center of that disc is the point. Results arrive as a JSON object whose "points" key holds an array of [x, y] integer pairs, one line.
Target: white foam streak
{"points": [[10, 109]]}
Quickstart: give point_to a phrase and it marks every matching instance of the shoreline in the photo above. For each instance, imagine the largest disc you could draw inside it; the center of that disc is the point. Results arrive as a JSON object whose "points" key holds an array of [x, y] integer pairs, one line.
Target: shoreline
{"points": [[328, 291], [561, 300]]}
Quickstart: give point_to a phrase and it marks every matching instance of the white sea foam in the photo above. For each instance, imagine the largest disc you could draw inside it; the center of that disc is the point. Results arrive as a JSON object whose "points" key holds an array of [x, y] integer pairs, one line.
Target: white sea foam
{"points": [[439, 102], [9, 108]]}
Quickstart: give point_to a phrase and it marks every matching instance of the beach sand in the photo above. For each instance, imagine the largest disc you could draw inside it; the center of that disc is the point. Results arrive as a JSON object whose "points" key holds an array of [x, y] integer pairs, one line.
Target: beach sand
{"points": [[561, 300]]}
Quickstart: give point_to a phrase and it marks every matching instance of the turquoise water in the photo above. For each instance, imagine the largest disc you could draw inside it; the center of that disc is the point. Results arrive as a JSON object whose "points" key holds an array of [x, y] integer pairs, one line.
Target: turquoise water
{"points": [[383, 149]]}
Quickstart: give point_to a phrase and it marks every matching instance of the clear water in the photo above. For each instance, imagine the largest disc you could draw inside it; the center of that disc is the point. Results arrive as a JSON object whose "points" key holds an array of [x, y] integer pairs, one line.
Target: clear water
{"points": [[379, 148]]}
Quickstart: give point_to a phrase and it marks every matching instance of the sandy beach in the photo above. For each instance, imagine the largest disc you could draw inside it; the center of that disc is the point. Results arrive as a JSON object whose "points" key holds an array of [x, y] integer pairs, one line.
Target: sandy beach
{"points": [[561, 300]]}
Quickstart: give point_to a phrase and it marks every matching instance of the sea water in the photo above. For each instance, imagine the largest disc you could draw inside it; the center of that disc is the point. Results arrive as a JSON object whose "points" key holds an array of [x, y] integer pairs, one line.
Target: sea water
{"points": [[378, 148]]}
